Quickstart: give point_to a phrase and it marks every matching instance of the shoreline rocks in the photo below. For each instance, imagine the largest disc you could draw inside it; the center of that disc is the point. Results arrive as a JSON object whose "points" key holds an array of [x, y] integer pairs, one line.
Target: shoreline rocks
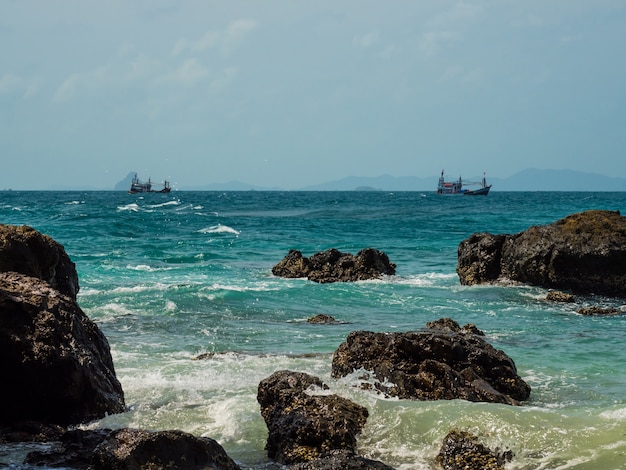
{"points": [[56, 359], [584, 253], [443, 362], [335, 266], [302, 426], [27, 251]]}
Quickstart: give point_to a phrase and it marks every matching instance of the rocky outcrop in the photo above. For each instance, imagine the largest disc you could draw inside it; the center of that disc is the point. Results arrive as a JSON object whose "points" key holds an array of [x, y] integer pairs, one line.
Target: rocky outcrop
{"points": [[463, 451], [133, 449], [335, 266], [302, 426], [55, 362], [129, 449], [443, 362], [584, 253], [25, 250], [340, 459], [599, 311], [322, 318]]}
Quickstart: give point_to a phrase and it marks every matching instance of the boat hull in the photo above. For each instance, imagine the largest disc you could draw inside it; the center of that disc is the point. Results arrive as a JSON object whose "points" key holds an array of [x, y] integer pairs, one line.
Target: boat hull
{"points": [[478, 192]]}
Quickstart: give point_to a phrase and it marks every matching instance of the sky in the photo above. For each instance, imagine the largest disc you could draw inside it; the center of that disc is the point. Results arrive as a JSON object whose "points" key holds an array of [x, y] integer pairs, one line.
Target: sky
{"points": [[290, 93]]}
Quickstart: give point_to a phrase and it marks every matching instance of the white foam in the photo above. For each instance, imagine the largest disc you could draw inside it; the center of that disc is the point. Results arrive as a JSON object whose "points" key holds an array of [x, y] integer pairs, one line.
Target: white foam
{"points": [[168, 203], [614, 415], [133, 207], [219, 228]]}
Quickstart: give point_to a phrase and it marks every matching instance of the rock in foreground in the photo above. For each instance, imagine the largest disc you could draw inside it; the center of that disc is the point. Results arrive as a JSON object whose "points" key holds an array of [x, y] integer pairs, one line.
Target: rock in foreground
{"points": [[440, 363], [56, 364], [584, 253], [25, 250], [463, 451], [303, 426], [131, 449], [335, 266]]}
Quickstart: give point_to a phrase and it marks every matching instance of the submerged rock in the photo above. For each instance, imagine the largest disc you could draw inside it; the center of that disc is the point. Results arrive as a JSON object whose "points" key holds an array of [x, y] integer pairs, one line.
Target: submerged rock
{"points": [[599, 311], [335, 266], [303, 426], [463, 451], [55, 362], [25, 250], [440, 363], [323, 319], [584, 253], [558, 296]]}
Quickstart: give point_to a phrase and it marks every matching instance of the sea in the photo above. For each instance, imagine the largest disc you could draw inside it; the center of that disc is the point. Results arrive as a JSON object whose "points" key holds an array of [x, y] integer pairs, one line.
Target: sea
{"points": [[181, 284]]}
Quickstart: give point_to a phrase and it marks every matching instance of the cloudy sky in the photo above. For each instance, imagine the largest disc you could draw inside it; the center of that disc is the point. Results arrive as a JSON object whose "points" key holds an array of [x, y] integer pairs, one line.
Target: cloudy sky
{"points": [[289, 93]]}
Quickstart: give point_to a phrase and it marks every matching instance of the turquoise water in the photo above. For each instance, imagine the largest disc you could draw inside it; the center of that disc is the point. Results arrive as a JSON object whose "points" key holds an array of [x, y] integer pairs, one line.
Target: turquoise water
{"points": [[168, 277]]}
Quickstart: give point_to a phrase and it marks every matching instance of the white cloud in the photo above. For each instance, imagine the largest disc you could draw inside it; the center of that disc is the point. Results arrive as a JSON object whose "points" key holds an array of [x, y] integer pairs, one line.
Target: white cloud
{"points": [[365, 40], [189, 73], [10, 83], [226, 41]]}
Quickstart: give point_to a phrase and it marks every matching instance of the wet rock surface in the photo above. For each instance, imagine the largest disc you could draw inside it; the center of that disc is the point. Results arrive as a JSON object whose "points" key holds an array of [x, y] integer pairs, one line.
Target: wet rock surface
{"points": [[27, 251], [302, 426], [55, 359], [463, 451], [584, 253], [443, 362], [335, 266], [341, 459], [133, 449]]}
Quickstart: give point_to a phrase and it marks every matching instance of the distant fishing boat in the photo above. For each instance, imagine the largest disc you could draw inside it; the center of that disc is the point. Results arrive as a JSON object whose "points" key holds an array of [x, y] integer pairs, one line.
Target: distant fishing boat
{"points": [[136, 186], [456, 187]]}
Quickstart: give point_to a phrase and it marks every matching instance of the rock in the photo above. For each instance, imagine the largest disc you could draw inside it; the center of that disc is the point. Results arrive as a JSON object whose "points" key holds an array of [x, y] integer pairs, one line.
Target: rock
{"points": [[73, 449], [55, 362], [303, 426], [322, 318], [558, 296], [341, 459], [450, 326], [335, 266], [599, 311], [584, 253], [25, 250], [434, 364], [463, 451], [133, 449]]}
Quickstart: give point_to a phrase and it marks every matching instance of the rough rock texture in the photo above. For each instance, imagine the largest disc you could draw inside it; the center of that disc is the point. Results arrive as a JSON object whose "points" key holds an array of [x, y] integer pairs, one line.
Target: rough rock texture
{"points": [[55, 362], [303, 426], [558, 296], [25, 250], [341, 459], [335, 266], [73, 449], [599, 311], [463, 451], [322, 318], [441, 363], [132, 449], [584, 253]]}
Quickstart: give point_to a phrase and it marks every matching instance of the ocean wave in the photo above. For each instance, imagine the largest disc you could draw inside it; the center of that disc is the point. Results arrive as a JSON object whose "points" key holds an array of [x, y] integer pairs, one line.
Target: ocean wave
{"points": [[164, 204], [219, 228], [133, 207]]}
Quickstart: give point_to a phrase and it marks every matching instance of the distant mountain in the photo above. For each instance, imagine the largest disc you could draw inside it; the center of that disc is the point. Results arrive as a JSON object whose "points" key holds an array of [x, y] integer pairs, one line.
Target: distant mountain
{"points": [[531, 179]]}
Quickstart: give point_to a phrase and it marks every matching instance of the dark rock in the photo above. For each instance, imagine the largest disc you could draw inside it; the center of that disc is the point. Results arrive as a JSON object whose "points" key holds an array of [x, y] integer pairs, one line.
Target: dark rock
{"points": [[584, 253], [463, 451], [558, 296], [322, 318], [335, 266], [25, 250], [74, 449], [450, 326], [599, 311], [341, 459], [303, 426], [133, 449], [433, 365], [55, 362]]}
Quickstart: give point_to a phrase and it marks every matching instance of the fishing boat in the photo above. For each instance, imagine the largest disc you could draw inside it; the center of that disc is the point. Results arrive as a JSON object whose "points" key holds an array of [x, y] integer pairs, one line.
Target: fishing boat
{"points": [[456, 187], [136, 186]]}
